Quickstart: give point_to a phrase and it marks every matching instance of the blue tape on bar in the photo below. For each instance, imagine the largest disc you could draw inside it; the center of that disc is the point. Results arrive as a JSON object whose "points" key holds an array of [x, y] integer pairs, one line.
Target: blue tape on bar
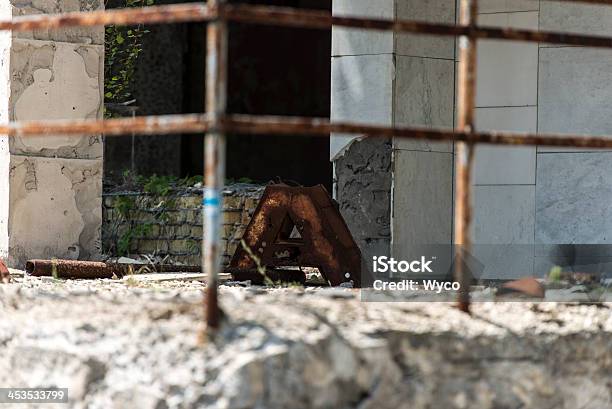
{"points": [[210, 201], [211, 198]]}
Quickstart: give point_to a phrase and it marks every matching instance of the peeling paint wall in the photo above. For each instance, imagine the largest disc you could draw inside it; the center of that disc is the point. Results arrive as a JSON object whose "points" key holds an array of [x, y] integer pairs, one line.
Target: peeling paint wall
{"points": [[54, 182], [52, 80]]}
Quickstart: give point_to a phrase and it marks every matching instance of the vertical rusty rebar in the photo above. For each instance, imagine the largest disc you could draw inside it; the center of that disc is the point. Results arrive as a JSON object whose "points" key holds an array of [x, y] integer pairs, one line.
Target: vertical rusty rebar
{"points": [[214, 158], [464, 152]]}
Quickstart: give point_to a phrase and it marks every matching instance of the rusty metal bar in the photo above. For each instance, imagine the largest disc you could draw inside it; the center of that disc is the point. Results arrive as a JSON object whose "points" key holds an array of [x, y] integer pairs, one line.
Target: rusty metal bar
{"points": [[317, 19], [280, 16], [492, 33], [174, 13], [464, 151], [69, 269], [150, 125], [214, 159], [285, 125], [279, 125]]}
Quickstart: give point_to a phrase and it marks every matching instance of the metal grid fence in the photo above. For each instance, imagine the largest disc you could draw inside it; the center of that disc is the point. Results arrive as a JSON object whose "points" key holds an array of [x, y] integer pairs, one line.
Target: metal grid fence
{"points": [[216, 123]]}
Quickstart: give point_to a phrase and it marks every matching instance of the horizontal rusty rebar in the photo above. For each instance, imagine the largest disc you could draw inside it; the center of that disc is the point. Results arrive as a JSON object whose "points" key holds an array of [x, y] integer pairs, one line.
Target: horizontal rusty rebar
{"points": [[281, 16], [278, 125], [174, 13], [317, 19], [287, 125], [151, 125]]}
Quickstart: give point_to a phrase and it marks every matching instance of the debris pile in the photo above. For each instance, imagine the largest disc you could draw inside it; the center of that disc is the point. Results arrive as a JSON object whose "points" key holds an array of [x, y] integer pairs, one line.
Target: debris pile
{"points": [[138, 347]]}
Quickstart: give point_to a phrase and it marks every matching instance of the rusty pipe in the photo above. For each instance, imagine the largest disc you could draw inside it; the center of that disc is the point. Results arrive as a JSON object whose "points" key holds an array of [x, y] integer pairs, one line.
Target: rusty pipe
{"points": [[95, 269], [69, 269]]}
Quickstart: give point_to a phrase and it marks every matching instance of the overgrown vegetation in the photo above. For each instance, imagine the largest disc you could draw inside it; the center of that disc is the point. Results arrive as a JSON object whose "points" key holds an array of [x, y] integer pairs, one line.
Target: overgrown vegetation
{"points": [[159, 204], [122, 46], [162, 195]]}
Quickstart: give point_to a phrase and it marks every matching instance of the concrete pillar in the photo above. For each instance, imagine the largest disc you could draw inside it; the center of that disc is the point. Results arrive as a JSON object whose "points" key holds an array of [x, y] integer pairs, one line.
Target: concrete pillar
{"points": [[505, 177], [51, 186], [395, 195]]}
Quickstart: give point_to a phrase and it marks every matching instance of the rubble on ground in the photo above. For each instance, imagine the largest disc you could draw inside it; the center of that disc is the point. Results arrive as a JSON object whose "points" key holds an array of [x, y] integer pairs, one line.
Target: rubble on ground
{"points": [[129, 343]]}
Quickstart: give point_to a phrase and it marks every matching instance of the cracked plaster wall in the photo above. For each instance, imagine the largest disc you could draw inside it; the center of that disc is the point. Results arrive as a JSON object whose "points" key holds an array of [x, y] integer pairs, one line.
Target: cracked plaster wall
{"points": [[54, 183]]}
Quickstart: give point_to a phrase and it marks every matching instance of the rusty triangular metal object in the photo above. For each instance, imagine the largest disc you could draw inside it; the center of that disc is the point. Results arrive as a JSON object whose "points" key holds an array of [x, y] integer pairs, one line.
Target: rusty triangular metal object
{"points": [[300, 226]]}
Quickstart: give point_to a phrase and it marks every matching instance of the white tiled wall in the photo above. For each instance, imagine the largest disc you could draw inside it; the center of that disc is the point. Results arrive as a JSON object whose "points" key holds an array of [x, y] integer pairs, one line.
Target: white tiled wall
{"points": [[524, 87]]}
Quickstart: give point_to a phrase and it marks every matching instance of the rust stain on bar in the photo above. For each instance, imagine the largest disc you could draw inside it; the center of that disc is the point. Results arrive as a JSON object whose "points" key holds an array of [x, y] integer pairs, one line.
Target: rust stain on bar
{"points": [[214, 163], [285, 125], [174, 13], [280, 16], [464, 152], [279, 125], [315, 19], [162, 124]]}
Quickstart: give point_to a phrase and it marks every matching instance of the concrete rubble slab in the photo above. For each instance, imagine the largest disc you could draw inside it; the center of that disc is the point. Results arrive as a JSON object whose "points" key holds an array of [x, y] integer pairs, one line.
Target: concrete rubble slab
{"points": [[279, 348]]}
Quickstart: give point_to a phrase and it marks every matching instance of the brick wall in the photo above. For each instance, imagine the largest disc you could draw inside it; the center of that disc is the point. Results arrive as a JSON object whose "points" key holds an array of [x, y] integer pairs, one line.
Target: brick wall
{"points": [[135, 223]]}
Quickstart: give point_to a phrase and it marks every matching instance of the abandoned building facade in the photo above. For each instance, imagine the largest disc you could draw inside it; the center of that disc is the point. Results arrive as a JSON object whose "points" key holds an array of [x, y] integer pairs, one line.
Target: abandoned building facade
{"points": [[396, 196], [534, 208]]}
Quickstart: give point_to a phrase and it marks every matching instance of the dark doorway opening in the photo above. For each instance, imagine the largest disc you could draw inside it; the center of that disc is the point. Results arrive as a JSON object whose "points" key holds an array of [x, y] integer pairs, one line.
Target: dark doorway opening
{"points": [[272, 71]]}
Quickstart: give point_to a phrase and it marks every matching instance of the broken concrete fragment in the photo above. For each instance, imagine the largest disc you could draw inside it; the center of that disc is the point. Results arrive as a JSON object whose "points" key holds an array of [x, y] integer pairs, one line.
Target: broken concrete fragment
{"points": [[528, 286], [5, 275]]}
